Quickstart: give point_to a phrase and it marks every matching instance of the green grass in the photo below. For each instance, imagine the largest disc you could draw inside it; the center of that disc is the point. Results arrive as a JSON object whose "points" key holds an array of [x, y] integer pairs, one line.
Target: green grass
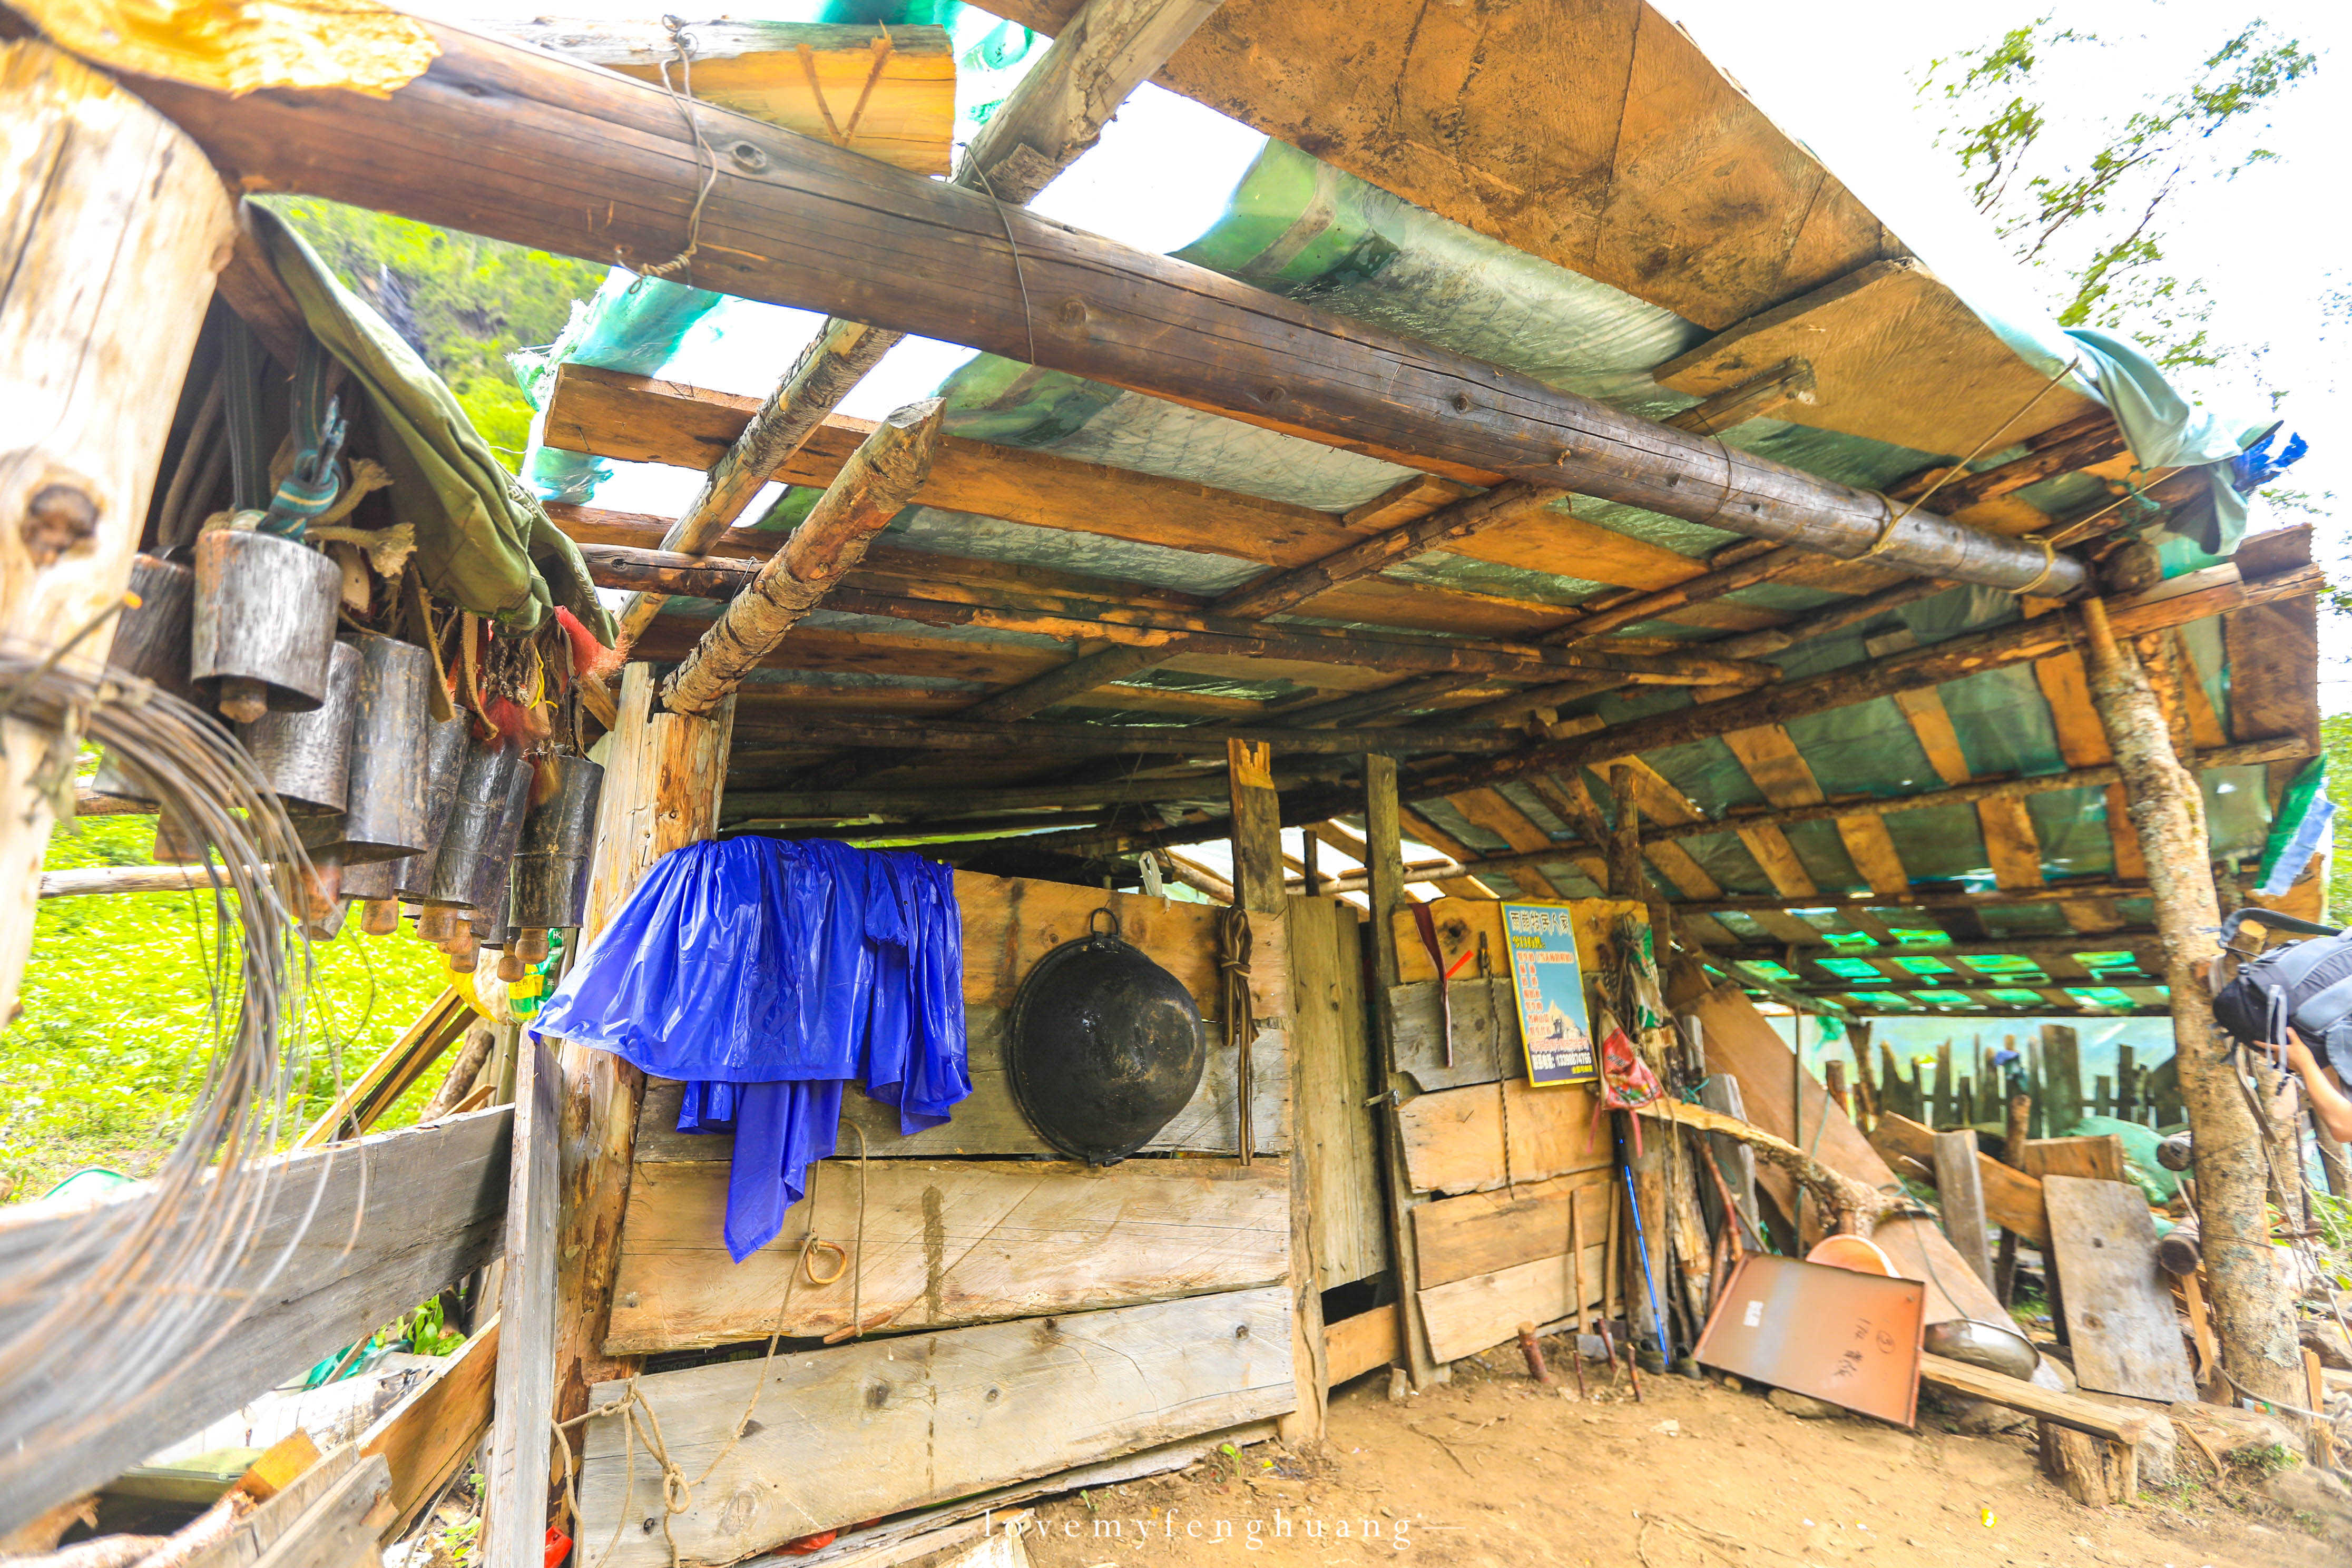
{"points": [[102, 1063]]}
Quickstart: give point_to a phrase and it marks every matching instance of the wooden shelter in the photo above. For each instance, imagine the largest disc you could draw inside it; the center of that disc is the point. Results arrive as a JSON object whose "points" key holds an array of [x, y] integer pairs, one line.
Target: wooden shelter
{"points": [[1781, 650]]}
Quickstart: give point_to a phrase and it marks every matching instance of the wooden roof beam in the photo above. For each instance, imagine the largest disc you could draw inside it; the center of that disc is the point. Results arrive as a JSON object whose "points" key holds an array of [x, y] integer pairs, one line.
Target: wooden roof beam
{"points": [[874, 485], [523, 146], [1055, 113]]}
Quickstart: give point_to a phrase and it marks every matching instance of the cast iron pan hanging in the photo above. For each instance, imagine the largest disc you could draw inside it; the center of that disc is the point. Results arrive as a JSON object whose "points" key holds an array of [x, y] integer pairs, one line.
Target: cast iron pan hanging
{"points": [[1104, 1046]]}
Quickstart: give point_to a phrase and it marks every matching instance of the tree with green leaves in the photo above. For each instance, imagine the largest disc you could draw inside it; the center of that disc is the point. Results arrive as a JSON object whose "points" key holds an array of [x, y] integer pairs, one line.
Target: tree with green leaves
{"points": [[2092, 214]]}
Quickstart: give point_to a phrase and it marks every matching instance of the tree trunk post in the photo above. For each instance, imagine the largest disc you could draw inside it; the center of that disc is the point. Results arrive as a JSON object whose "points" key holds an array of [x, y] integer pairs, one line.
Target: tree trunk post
{"points": [[2168, 815], [116, 227]]}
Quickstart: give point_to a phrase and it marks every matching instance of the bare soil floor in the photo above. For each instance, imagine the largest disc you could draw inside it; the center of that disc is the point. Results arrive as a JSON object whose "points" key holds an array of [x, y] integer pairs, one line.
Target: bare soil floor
{"points": [[1493, 1470]]}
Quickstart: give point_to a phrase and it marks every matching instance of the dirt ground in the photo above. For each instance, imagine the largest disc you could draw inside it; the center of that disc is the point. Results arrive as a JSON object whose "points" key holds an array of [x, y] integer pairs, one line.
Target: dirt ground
{"points": [[1494, 1472]]}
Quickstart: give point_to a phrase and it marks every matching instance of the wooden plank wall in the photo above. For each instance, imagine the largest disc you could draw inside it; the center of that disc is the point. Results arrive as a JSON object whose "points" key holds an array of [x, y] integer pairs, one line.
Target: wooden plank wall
{"points": [[869, 1429], [1028, 1314], [1495, 1168]]}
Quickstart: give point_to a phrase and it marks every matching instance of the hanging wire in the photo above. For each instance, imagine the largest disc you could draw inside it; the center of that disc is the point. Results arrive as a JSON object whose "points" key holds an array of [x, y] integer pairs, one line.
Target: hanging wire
{"points": [[99, 1310]]}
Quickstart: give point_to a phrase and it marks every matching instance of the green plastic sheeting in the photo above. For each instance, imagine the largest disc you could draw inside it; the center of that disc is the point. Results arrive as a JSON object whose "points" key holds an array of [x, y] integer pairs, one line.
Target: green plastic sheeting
{"points": [[482, 541]]}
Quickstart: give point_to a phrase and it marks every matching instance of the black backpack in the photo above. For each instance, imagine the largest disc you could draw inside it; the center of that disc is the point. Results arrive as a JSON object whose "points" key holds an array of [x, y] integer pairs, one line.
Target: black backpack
{"points": [[2307, 987]]}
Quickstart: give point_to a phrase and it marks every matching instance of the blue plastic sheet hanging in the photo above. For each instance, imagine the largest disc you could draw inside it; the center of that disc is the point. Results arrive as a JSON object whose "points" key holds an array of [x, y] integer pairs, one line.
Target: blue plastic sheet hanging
{"points": [[768, 975]]}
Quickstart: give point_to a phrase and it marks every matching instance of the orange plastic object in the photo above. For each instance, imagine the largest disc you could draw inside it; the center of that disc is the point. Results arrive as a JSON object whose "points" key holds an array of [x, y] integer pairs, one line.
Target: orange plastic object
{"points": [[559, 1545], [1858, 1253], [807, 1544]]}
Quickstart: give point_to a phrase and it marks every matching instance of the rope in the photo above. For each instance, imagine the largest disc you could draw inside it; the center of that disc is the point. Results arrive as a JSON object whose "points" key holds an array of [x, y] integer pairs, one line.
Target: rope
{"points": [[2049, 560], [1234, 941], [1887, 534], [1028, 315], [643, 1426], [706, 162]]}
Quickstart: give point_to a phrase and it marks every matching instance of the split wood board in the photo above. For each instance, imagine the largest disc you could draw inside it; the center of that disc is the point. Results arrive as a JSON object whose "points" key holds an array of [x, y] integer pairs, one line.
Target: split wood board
{"points": [[2119, 1316], [1896, 357], [253, 1536], [2012, 1198], [1485, 1034], [1454, 1139], [863, 1430], [989, 1121], [1354, 1346], [1739, 1042], [1336, 1136], [1485, 1233], [353, 1230], [1011, 922], [1486, 1310], [945, 1244], [896, 102], [436, 1427], [2099, 1156], [340, 1530], [1462, 921]]}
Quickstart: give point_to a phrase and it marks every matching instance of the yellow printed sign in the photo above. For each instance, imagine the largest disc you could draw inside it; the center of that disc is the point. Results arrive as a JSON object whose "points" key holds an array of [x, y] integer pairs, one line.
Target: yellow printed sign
{"points": [[1554, 1024]]}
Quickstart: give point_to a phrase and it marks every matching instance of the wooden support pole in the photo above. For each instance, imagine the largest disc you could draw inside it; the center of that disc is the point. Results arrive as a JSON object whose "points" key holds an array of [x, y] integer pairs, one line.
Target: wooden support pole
{"points": [[503, 141], [662, 780], [515, 1486], [2061, 1077], [1959, 1189], [115, 228], [1257, 888], [874, 485], [1056, 111], [2167, 815], [960, 734], [1385, 860]]}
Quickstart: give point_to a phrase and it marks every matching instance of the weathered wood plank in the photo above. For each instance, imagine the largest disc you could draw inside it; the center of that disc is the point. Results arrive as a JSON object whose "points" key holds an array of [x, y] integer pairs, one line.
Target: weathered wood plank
{"points": [[339, 1530], [2119, 1316], [515, 1486], [362, 1230], [436, 1427], [1348, 1234], [1454, 1139], [989, 1124], [114, 229], [1354, 1346], [2099, 1156], [1485, 1033], [1484, 1233], [257, 1531], [868, 1429], [2012, 1199], [2118, 1424], [1959, 1189], [945, 1244], [1469, 1315]]}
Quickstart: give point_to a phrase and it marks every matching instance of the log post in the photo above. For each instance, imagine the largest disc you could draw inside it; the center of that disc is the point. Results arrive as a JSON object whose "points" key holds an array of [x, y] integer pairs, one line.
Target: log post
{"points": [[1384, 860], [116, 227], [860, 502], [1257, 888], [662, 781], [2167, 815]]}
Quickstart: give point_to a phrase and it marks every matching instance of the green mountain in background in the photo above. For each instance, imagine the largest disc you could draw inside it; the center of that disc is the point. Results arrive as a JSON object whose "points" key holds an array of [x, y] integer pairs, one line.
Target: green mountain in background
{"points": [[462, 302]]}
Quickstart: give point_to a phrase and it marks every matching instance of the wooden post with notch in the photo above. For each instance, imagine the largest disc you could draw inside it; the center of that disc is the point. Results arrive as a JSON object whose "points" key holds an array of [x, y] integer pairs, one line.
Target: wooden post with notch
{"points": [[1257, 889], [1384, 864], [116, 226]]}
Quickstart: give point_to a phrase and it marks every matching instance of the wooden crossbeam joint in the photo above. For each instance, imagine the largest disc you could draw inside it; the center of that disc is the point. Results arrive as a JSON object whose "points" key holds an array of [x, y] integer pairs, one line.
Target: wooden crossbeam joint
{"points": [[871, 489]]}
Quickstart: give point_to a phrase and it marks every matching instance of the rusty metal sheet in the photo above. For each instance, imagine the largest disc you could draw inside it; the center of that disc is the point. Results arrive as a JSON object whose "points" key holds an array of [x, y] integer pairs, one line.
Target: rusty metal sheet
{"points": [[1848, 1338]]}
